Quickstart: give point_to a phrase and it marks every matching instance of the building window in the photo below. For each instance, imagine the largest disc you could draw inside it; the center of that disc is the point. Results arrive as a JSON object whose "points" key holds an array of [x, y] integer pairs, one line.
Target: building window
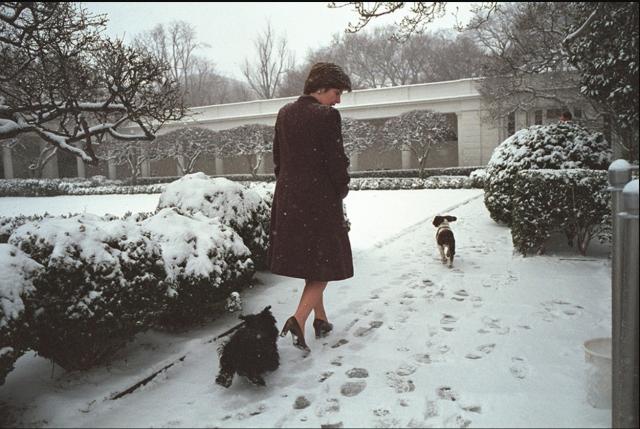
{"points": [[511, 124], [538, 117]]}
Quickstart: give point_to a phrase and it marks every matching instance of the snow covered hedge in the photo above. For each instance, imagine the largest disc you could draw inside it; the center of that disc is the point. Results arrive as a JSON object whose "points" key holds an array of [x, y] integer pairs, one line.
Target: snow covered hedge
{"points": [[572, 201], [10, 224], [204, 261], [103, 281], [71, 186], [392, 183], [553, 146], [16, 285], [478, 178], [242, 208]]}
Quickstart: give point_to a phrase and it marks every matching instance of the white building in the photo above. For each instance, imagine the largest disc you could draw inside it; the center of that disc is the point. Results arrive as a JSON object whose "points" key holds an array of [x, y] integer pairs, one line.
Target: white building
{"points": [[460, 99]]}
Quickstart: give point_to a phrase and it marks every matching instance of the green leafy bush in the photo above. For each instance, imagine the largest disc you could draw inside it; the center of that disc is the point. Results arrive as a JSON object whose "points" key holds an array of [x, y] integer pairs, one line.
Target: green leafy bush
{"points": [[572, 201]]}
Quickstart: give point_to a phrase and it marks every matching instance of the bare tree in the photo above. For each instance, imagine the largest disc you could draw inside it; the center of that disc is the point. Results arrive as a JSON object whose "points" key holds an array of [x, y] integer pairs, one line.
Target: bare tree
{"points": [[200, 82], [526, 64], [63, 81], [274, 60], [176, 44], [293, 81], [375, 59], [417, 131], [420, 15]]}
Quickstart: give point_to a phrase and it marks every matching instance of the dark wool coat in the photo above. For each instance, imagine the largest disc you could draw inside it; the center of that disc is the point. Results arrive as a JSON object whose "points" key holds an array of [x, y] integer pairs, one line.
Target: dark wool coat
{"points": [[308, 236]]}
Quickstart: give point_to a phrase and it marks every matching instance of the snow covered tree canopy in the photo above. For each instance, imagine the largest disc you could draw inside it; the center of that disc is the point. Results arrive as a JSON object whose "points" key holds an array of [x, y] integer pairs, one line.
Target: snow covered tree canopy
{"points": [[186, 145], [357, 135], [64, 81], [603, 45], [248, 139], [417, 131]]}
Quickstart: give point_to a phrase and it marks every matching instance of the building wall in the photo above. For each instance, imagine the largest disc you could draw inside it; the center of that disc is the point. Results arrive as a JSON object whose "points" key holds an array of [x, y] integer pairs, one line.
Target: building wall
{"points": [[477, 137]]}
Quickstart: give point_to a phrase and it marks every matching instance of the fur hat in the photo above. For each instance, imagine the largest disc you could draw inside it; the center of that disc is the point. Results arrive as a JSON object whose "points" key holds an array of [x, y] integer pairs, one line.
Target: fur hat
{"points": [[326, 75]]}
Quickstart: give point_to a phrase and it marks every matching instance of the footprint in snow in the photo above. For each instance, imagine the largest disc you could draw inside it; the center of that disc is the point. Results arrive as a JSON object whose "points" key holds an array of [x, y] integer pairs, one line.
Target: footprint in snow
{"points": [[352, 388], [340, 342], [446, 393], [519, 367], [483, 350], [362, 332], [558, 308], [332, 406], [448, 319], [399, 384], [493, 325]]}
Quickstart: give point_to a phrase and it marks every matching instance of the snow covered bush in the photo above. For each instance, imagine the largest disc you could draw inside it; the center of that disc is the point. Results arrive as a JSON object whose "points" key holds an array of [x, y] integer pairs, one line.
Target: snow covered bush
{"points": [[16, 285], [392, 183], [447, 182], [103, 281], [204, 261], [10, 224], [235, 205], [478, 177], [69, 186], [572, 201], [553, 146]]}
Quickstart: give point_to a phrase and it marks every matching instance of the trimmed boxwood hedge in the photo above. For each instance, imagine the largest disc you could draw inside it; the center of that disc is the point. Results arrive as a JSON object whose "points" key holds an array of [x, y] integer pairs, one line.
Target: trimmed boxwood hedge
{"points": [[573, 201], [103, 282], [553, 146]]}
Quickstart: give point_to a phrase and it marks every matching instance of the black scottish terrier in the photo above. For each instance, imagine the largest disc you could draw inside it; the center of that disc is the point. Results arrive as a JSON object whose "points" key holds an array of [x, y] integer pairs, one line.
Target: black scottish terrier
{"points": [[251, 351]]}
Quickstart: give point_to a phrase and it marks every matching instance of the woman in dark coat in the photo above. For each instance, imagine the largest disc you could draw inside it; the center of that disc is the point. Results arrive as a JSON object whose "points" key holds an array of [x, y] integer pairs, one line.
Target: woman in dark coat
{"points": [[309, 238]]}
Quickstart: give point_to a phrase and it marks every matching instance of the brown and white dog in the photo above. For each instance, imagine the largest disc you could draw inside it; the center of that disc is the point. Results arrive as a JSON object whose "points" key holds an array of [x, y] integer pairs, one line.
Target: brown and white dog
{"points": [[445, 239]]}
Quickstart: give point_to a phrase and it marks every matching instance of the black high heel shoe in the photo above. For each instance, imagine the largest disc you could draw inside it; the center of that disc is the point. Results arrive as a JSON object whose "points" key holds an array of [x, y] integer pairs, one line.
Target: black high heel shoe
{"points": [[322, 328], [291, 325]]}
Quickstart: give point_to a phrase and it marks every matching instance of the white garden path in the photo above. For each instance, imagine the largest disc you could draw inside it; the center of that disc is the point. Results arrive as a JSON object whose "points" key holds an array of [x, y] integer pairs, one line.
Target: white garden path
{"points": [[496, 341]]}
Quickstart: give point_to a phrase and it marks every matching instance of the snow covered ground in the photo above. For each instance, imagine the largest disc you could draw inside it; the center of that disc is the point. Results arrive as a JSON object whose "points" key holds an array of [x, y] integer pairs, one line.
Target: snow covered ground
{"points": [[494, 342]]}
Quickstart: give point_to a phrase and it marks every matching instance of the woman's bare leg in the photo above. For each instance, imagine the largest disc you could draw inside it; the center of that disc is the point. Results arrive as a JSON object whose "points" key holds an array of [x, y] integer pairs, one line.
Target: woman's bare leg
{"points": [[310, 299], [318, 310]]}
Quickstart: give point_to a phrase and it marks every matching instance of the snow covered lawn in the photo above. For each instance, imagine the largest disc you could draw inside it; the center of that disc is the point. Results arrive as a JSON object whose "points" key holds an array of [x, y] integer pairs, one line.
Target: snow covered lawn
{"points": [[494, 342]]}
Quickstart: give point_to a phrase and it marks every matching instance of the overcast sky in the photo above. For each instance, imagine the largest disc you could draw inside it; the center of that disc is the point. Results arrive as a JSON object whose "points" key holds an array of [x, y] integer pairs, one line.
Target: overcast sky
{"points": [[230, 28]]}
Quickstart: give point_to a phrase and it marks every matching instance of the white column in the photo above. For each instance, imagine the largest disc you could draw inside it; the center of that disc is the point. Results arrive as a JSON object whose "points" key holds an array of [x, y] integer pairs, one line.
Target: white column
{"points": [[7, 162], [113, 171], [219, 166], [354, 162], [145, 169], [470, 150], [406, 159], [180, 159]]}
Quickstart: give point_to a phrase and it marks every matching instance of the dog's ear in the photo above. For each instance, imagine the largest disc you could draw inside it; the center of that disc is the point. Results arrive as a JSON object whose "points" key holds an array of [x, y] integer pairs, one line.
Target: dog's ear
{"points": [[437, 220], [451, 218]]}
